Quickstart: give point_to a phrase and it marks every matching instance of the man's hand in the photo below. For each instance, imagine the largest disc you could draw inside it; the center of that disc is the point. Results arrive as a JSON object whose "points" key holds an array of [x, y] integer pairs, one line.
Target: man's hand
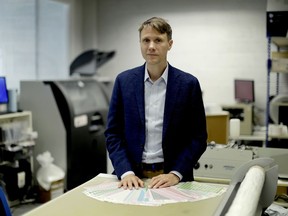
{"points": [[164, 180], [131, 181]]}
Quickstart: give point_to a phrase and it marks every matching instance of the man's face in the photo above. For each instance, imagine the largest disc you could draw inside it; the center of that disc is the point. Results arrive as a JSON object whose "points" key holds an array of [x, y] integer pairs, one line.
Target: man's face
{"points": [[154, 46]]}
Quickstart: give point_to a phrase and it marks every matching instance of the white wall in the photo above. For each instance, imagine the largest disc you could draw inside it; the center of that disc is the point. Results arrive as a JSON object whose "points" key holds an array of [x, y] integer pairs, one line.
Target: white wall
{"points": [[217, 41], [52, 42], [33, 40], [17, 40], [40, 38], [83, 32]]}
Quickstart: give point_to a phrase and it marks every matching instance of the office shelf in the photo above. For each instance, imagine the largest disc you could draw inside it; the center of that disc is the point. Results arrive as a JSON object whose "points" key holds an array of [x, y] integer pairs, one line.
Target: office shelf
{"points": [[277, 64], [278, 137], [280, 42], [17, 124]]}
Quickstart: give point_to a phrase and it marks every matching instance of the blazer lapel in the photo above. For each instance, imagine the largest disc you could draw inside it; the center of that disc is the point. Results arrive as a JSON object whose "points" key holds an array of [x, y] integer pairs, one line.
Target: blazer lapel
{"points": [[139, 91], [172, 91]]}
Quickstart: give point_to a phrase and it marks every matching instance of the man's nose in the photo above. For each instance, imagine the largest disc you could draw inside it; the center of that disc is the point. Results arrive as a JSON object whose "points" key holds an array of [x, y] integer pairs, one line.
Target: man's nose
{"points": [[151, 45]]}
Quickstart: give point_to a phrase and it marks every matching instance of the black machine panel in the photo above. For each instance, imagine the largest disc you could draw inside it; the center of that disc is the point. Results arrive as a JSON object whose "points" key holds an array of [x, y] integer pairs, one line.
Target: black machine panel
{"points": [[83, 106], [70, 117]]}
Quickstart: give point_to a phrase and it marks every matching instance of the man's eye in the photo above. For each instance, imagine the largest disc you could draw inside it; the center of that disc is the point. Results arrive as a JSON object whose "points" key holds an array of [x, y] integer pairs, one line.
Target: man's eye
{"points": [[158, 40]]}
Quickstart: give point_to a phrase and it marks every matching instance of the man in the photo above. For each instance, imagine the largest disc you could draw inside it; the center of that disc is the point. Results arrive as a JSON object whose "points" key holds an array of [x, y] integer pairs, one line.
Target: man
{"points": [[156, 123]]}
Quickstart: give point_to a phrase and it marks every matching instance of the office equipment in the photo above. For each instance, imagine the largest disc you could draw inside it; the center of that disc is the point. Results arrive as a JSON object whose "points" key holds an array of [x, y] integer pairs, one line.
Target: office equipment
{"points": [[234, 126], [87, 63], [244, 91], [4, 207], [221, 162], [281, 100], [16, 150], [277, 23], [261, 171], [70, 117], [283, 114], [277, 16], [3, 91], [244, 112], [3, 95], [13, 100], [68, 204], [279, 155]]}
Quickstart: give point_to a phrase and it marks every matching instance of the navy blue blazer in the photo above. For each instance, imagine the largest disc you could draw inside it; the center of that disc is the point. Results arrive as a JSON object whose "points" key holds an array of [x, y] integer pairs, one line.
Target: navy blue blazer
{"points": [[184, 123]]}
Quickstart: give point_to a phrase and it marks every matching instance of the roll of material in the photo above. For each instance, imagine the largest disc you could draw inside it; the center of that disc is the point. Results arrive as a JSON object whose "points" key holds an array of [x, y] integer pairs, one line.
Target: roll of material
{"points": [[234, 128], [247, 198], [13, 99]]}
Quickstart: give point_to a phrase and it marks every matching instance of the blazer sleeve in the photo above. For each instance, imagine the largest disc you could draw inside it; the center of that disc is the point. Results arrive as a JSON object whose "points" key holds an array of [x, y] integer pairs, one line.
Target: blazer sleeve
{"points": [[125, 132], [186, 135], [115, 132]]}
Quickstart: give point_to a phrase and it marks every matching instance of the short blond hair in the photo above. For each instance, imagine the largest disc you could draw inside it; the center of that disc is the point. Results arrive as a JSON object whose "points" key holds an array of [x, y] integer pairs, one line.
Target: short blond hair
{"points": [[159, 24]]}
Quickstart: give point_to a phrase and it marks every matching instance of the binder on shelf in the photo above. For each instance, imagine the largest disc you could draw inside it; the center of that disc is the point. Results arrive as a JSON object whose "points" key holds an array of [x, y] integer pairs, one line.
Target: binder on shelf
{"points": [[277, 55], [280, 65]]}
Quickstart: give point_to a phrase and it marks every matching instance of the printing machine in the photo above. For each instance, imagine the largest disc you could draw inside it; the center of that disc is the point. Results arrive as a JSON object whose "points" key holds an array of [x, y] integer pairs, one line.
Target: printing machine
{"points": [[244, 197], [230, 164], [70, 117], [222, 161]]}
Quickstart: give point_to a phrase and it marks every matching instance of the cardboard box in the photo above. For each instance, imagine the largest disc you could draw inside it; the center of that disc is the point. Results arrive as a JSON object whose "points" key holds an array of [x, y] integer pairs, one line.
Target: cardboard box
{"points": [[218, 128]]}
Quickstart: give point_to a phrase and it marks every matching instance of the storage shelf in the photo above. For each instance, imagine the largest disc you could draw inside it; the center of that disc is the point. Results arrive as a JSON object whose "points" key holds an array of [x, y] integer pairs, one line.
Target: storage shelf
{"points": [[281, 42], [281, 103], [279, 137], [10, 120], [10, 116], [279, 65], [280, 72]]}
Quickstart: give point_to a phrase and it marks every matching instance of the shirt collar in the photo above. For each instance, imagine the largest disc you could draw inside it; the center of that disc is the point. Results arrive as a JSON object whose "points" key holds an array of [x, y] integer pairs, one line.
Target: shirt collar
{"points": [[164, 75]]}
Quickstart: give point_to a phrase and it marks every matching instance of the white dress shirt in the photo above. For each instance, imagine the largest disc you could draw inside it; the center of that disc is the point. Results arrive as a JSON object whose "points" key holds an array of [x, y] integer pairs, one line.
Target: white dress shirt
{"points": [[155, 93]]}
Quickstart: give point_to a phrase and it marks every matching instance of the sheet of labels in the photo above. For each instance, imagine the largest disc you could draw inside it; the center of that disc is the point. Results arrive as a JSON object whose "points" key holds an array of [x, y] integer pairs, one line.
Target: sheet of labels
{"points": [[182, 192]]}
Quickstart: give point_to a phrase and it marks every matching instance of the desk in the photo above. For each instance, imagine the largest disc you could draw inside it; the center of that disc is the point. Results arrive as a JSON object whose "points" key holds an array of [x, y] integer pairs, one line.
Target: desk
{"points": [[254, 137], [75, 203]]}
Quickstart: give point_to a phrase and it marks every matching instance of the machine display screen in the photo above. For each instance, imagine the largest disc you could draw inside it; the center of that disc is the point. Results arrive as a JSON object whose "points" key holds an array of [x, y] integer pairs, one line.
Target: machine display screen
{"points": [[3, 91], [244, 91]]}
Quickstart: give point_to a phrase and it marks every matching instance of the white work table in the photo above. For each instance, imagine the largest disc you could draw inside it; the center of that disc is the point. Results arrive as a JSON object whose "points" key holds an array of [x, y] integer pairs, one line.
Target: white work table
{"points": [[75, 203]]}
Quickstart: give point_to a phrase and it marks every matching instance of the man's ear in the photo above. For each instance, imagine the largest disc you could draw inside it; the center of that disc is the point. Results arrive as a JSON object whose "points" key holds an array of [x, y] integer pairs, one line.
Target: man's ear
{"points": [[170, 44]]}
